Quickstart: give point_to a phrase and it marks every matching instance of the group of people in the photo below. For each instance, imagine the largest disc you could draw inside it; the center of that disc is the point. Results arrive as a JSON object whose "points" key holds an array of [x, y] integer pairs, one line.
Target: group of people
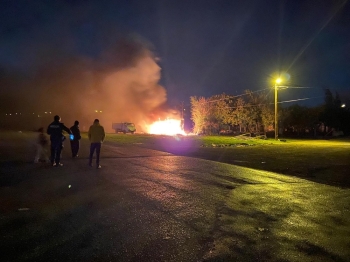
{"points": [[96, 136]]}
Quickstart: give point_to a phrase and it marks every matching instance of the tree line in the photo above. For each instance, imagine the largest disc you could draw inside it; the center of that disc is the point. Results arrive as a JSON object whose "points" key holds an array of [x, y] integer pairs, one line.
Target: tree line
{"points": [[253, 112]]}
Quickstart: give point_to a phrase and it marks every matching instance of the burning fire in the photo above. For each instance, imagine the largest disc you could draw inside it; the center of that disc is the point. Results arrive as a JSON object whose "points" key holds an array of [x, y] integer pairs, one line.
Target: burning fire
{"points": [[166, 127]]}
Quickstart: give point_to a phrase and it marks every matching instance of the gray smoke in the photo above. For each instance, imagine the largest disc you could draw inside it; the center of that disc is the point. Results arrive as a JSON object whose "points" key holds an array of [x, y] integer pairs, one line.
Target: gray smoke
{"points": [[121, 85]]}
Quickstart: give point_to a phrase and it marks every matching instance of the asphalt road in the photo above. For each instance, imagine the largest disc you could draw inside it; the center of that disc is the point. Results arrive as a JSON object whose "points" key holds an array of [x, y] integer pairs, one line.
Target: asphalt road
{"points": [[148, 205]]}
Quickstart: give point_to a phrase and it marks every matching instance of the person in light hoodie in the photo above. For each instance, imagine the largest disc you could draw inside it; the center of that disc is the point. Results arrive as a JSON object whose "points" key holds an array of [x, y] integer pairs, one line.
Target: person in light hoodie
{"points": [[41, 145], [96, 136]]}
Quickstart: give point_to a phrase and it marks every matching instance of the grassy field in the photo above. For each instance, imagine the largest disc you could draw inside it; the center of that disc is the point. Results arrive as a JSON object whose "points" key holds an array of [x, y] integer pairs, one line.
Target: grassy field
{"points": [[323, 161]]}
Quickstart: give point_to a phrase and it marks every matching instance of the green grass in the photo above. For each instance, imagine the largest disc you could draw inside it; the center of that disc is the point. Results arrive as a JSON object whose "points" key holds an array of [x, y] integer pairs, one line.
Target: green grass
{"points": [[196, 140], [227, 140], [131, 139]]}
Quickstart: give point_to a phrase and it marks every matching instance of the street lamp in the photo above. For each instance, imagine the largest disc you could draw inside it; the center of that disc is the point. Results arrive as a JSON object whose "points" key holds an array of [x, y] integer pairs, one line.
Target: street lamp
{"points": [[278, 81]]}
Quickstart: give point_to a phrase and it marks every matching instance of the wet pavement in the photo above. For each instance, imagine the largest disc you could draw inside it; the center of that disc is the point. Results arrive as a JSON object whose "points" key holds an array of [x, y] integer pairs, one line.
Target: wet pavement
{"points": [[148, 205]]}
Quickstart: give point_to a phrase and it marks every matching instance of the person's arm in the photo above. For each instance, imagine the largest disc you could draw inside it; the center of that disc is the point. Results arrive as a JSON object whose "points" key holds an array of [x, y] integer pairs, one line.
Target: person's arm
{"points": [[89, 133], [48, 131], [103, 134], [66, 129]]}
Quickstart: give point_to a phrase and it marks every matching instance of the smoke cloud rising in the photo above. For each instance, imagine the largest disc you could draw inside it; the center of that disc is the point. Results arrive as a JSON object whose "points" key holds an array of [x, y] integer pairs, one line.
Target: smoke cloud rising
{"points": [[121, 85]]}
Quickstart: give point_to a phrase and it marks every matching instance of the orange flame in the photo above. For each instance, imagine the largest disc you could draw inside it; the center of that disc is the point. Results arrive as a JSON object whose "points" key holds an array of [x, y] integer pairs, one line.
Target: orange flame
{"points": [[166, 127]]}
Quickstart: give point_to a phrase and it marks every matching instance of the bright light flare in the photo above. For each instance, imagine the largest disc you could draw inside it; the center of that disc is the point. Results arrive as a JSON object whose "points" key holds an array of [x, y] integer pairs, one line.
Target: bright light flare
{"points": [[278, 80], [168, 127]]}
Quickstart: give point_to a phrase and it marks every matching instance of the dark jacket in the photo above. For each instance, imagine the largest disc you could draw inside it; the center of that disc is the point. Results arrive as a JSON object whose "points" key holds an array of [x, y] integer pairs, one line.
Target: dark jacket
{"points": [[55, 130], [76, 132]]}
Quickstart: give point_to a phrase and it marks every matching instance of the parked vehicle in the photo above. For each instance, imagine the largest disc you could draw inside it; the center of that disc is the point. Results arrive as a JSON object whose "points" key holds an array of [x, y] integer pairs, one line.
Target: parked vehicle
{"points": [[124, 127]]}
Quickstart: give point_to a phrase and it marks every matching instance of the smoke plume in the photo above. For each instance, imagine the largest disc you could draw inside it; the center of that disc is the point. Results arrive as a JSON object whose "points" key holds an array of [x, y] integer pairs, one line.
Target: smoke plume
{"points": [[119, 86]]}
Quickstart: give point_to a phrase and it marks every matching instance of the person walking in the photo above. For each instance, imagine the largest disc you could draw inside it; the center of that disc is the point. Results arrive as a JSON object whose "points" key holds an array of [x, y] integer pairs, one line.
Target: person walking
{"points": [[41, 146], [96, 136], [55, 130], [75, 142]]}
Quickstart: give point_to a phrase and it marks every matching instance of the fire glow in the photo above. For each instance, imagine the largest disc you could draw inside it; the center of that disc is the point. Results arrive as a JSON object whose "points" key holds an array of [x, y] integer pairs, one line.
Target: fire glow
{"points": [[168, 127]]}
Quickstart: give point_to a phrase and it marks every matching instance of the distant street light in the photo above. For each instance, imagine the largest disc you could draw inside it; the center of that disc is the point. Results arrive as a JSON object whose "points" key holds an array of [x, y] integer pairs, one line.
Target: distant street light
{"points": [[343, 105], [278, 81]]}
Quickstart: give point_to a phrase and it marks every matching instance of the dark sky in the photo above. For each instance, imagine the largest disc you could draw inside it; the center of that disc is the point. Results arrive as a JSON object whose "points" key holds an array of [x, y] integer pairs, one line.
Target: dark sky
{"points": [[206, 47]]}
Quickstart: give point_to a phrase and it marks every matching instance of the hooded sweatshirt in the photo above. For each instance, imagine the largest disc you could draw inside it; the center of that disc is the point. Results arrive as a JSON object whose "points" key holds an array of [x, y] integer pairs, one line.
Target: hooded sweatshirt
{"points": [[96, 133]]}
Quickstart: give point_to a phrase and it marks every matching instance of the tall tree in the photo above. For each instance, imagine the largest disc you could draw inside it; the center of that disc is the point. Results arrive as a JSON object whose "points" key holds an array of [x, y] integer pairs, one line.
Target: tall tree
{"points": [[199, 112], [238, 115], [267, 116]]}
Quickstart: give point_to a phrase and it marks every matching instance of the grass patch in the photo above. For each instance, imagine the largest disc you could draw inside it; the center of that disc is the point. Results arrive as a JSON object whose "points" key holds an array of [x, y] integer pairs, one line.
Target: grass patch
{"points": [[195, 140], [130, 139]]}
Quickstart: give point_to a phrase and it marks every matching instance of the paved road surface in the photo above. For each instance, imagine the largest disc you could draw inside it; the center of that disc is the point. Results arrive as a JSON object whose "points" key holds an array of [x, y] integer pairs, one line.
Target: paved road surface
{"points": [[147, 205]]}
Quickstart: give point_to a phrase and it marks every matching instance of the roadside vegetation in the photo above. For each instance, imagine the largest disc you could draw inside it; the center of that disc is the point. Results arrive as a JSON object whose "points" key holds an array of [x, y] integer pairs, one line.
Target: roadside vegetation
{"points": [[254, 112]]}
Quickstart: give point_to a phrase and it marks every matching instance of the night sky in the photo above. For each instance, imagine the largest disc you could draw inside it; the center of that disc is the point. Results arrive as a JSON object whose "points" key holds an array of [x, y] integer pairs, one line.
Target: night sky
{"points": [[206, 47]]}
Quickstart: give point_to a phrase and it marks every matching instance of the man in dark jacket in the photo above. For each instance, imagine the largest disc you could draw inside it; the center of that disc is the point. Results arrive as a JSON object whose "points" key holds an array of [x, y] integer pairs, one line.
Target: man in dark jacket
{"points": [[55, 131], [96, 136], [75, 143]]}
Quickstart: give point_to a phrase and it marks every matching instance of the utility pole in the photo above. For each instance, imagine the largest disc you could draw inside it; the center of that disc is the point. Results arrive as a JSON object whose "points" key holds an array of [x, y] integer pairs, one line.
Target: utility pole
{"points": [[278, 81]]}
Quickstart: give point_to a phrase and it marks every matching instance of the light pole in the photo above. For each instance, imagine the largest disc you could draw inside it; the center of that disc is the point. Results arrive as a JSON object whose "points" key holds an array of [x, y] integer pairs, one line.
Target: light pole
{"points": [[278, 81]]}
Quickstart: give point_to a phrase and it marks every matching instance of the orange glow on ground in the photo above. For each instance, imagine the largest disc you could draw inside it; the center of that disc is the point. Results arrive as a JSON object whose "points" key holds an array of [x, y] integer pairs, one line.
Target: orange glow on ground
{"points": [[169, 127]]}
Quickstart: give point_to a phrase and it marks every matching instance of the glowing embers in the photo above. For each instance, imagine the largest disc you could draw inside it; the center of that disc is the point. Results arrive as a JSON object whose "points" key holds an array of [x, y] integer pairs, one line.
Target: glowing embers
{"points": [[166, 127]]}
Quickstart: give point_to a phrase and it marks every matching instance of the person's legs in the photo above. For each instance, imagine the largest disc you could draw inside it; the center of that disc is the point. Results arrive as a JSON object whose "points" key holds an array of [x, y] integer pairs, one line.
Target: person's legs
{"points": [[92, 150], [38, 153], [44, 154], [98, 150], [58, 150], [72, 148], [53, 153], [77, 146]]}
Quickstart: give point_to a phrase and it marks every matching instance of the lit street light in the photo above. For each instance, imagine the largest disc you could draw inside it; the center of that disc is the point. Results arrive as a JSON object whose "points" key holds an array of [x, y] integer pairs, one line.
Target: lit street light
{"points": [[278, 81]]}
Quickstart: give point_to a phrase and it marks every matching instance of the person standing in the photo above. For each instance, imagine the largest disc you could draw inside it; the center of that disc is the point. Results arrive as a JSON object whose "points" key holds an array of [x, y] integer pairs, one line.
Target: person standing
{"points": [[75, 143], [55, 130], [96, 136], [41, 145]]}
